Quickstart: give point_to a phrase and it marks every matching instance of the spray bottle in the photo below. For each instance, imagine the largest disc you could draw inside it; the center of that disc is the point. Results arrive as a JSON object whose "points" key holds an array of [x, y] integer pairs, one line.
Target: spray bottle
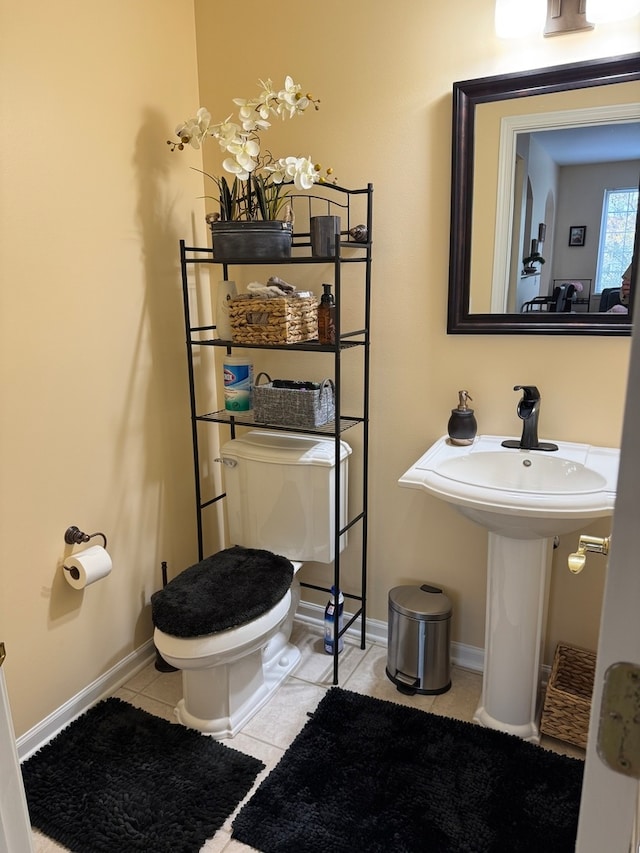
{"points": [[329, 621]]}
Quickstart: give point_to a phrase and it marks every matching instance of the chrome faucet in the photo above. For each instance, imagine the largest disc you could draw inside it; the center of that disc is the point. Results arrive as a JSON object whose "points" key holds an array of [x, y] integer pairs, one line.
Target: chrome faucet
{"points": [[529, 412]]}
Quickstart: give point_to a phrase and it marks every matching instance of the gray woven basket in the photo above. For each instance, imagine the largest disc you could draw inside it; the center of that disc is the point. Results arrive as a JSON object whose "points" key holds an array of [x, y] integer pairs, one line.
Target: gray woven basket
{"points": [[293, 406]]}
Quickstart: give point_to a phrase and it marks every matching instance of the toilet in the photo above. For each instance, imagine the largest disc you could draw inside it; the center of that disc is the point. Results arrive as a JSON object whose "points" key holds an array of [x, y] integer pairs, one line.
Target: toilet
{"points": [[226, 621]]}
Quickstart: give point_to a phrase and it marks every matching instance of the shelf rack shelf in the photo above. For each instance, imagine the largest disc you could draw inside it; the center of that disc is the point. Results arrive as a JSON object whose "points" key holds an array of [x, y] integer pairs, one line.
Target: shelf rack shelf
{"points": [[328, 199]]}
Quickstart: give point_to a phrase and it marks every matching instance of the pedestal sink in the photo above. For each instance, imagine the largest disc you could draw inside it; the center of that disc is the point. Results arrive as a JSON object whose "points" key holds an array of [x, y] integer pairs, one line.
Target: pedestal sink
{"points": [[524, 498]]}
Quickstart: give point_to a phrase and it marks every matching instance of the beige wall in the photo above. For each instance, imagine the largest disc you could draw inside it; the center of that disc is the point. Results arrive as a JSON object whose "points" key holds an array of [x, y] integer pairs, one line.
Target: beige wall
{"points": [[94, 405], [95, 412]]}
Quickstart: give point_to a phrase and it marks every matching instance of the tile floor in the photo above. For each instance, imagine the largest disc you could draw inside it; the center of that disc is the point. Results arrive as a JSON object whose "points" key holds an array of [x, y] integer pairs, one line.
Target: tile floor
{"points": [[269, 733]]}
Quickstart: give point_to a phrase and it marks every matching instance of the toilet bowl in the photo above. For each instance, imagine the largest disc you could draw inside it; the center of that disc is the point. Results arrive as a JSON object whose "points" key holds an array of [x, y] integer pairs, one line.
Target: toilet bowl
{"points": [[226, 622], [228, 675]]}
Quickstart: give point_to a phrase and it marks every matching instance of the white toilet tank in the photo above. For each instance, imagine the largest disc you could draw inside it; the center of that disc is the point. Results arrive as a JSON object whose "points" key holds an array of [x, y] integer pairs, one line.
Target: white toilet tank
{"points": [[280, 493]]}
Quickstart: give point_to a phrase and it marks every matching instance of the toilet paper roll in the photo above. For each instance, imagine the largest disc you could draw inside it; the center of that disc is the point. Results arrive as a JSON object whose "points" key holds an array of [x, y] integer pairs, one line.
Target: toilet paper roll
{"points": [[87, 567]]}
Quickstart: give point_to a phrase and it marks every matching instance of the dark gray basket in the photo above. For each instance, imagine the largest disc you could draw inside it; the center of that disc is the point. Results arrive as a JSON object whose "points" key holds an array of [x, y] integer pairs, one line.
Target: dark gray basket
{"points": [[292, 406], [251, 240]]}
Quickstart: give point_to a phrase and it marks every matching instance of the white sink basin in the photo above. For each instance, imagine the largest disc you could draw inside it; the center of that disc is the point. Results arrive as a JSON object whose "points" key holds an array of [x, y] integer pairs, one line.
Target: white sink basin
{"points": [[519, 493], [523, 498]]}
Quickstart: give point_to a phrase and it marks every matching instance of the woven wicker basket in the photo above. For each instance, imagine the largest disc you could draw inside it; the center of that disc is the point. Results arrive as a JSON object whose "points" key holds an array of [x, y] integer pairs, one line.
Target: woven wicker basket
{"points": [[257, 319], [567, 705], [306, 408]]}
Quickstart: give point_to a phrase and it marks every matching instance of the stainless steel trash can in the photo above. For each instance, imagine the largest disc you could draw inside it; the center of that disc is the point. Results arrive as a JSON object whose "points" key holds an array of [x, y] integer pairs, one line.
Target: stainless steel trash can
{"points": [[418, 656]]}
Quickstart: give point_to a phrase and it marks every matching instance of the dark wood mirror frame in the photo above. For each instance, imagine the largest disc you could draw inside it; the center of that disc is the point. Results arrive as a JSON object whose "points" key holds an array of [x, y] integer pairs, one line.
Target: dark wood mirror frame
{"points": [[466, 96]]}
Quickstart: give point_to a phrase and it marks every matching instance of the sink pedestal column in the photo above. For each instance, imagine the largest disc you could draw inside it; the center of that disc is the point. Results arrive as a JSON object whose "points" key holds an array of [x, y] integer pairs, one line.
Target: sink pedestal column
{"points": [[518, 576]]}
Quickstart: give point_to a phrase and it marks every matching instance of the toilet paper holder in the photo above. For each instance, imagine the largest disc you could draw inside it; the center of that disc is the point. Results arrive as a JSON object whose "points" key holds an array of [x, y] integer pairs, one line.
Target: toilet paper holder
{"points": [[74, 536]]}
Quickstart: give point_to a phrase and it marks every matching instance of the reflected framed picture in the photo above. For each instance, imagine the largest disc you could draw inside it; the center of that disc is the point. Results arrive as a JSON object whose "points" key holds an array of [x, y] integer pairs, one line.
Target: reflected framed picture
{"points": [[577, 234]]}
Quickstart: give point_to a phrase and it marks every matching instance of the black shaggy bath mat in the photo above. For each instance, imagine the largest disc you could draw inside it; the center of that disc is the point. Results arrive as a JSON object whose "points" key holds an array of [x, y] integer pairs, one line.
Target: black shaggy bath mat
{"points": [[119, 780], [370, 775]]}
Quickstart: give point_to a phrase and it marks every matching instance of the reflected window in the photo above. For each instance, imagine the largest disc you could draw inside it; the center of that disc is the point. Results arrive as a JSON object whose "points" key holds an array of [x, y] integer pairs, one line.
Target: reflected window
{"points": [[617, 234]]}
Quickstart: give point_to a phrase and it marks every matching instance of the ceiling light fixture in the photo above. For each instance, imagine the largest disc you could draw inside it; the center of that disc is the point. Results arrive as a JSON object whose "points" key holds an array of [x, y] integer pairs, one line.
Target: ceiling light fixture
{"points": [[521, 18]]}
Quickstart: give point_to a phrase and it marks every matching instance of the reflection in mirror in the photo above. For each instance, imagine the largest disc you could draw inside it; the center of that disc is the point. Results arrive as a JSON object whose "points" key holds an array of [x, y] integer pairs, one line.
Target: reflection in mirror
{"points": [[528, 251], [554, 179]]}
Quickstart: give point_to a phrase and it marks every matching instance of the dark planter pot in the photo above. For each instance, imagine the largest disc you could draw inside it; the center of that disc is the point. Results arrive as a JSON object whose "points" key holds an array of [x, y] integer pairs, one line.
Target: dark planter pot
{"points": [[251, 240]]}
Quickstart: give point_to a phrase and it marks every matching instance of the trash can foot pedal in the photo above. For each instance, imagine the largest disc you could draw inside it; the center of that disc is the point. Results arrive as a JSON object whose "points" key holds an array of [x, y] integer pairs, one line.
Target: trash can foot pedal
{"points": [[405, 683], [408, 691]]}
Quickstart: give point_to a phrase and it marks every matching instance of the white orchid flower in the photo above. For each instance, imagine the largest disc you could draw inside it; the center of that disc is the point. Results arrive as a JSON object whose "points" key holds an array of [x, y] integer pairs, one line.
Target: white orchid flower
{"points": [[248, 118], [233, 167], [306, 174], [260, 106], [195, 129], [265, 98], [244, 159], [300, 170], [277, 170], [241, 140], [283, 169], [290, 99], [226, 132]]}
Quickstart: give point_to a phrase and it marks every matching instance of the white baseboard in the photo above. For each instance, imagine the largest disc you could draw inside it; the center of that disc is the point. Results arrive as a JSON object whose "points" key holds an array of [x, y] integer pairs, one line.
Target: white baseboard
{"points": [[99, 689], [469, 657]]}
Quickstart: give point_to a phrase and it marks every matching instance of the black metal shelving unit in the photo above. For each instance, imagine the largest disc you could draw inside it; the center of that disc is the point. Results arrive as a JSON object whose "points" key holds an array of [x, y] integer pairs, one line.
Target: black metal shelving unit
{"points": [[348, 204]]}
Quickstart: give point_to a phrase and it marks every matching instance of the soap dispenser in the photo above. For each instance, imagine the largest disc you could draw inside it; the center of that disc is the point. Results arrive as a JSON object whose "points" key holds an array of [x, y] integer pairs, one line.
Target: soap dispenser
{"points": [[462, 424]]}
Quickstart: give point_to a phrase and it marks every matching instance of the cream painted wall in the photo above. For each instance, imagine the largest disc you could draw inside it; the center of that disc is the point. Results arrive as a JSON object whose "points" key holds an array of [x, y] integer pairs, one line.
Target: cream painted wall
{"points": [[94, 427], [384, 74]]}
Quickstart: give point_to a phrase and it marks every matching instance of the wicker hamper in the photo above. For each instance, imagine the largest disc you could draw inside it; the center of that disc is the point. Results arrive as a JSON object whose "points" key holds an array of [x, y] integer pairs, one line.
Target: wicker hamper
{"points": [[305, 407], [567, 704], [257, 319]]}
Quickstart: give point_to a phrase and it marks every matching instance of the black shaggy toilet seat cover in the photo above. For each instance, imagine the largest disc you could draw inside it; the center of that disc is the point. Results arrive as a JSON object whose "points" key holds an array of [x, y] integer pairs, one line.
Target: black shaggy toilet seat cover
{"points": [[228, 589]]}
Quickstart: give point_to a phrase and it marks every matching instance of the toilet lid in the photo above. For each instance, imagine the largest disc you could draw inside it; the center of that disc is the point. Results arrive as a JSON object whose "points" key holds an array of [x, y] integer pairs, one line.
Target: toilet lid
{"points": [[227, 589]]}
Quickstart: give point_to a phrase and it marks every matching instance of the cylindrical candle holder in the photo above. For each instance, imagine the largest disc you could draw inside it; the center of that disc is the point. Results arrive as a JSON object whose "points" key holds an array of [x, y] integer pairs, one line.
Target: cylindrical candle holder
{"points": [[325, 234]]}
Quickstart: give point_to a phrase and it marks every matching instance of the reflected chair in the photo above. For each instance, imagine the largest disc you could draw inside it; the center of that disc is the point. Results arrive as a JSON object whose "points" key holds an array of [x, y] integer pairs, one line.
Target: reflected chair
{"points": [[609, 297], [560, 300]]}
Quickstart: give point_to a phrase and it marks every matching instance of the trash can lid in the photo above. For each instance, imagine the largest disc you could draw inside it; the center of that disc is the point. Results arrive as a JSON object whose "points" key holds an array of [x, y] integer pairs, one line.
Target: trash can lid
{"points": [[426, 603]]}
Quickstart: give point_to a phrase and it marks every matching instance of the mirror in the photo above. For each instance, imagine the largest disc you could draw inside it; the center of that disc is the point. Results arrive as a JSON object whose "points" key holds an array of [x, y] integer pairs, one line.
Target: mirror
{"points": [[482, 243]]}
